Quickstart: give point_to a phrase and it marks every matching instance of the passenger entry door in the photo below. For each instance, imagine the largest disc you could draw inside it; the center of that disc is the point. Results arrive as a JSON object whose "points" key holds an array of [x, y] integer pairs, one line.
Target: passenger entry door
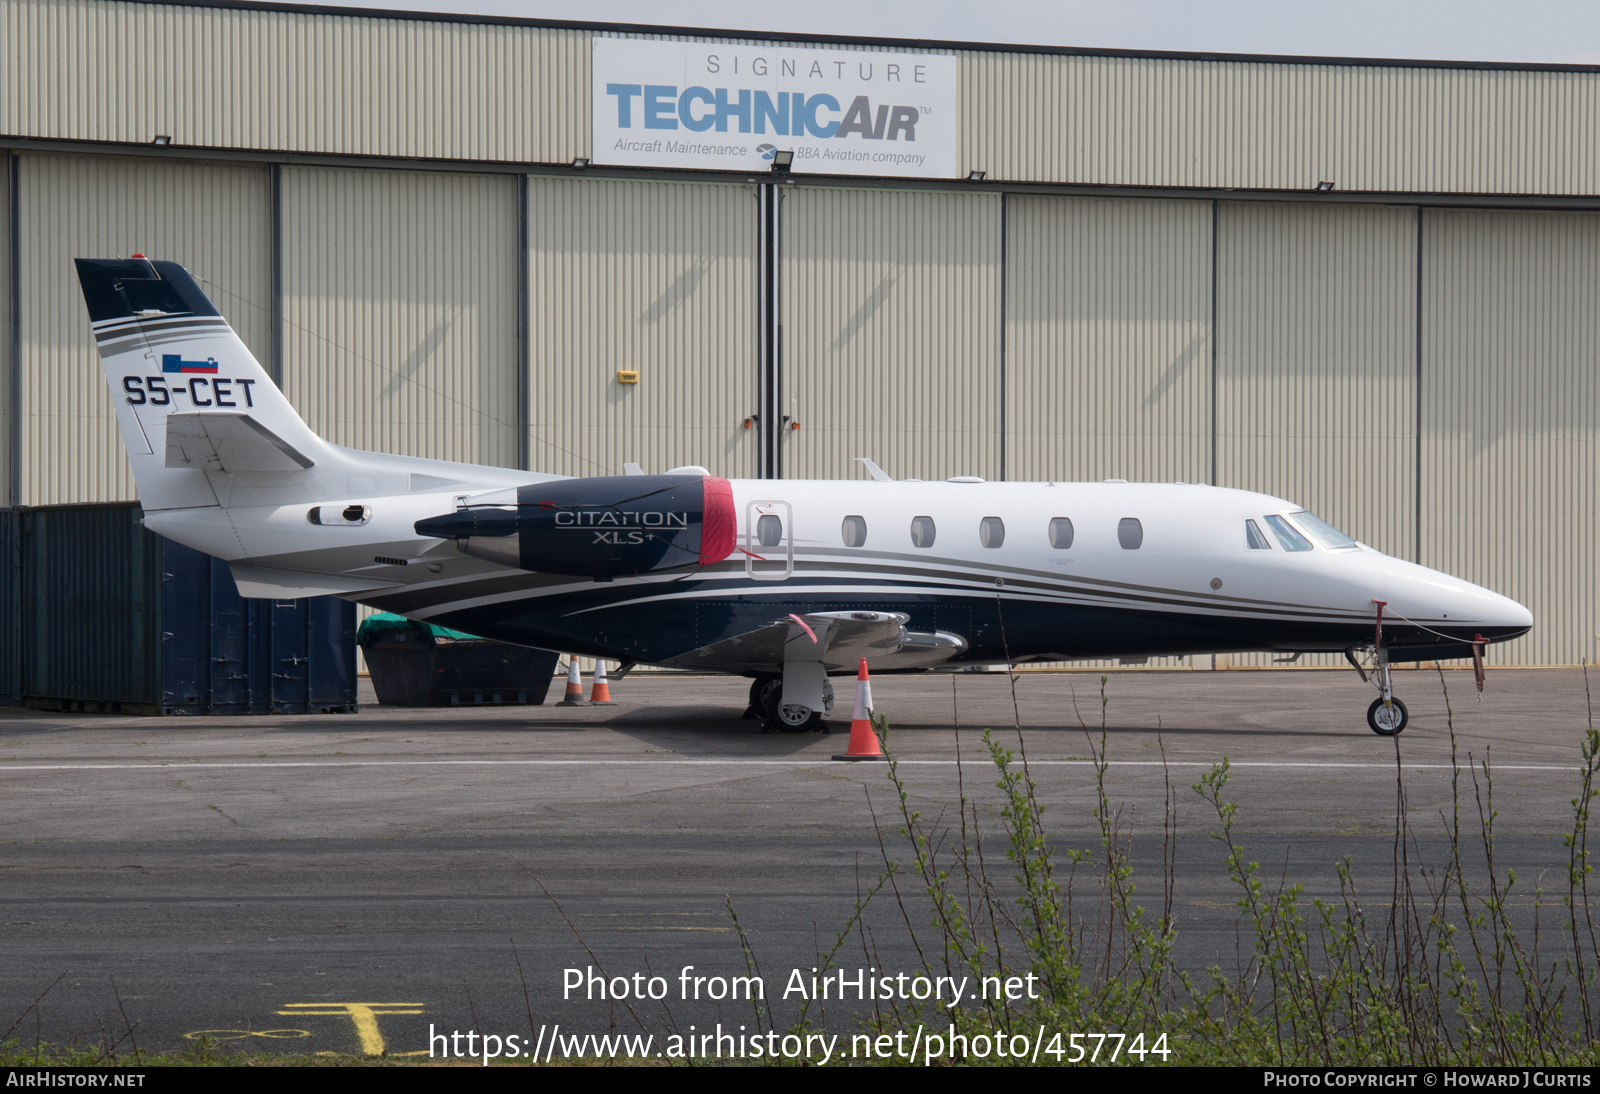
{"points": [[768, 540]]}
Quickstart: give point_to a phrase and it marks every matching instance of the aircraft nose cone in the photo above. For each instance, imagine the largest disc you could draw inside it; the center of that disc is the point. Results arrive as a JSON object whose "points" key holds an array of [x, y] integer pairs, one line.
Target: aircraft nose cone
{"points": [[1494, 616], [1451, 606], [1460, 606], [1511, 616]]}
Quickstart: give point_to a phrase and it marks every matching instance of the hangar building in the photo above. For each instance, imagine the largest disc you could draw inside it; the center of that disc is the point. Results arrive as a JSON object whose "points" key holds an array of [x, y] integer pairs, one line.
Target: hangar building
{"points": [[1369, 286]]}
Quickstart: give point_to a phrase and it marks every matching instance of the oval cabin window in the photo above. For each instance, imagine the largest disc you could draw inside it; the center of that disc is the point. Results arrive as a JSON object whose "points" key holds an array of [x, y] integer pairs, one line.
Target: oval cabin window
{"points": [[1130, 533], [769, 531], [854, 531], [922, 531], [1061, 533]]}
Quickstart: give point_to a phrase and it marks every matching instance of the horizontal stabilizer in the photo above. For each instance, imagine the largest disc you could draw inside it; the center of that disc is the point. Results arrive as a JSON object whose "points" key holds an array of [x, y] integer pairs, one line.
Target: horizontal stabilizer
{"points": [[267, 584], [231, 442]]}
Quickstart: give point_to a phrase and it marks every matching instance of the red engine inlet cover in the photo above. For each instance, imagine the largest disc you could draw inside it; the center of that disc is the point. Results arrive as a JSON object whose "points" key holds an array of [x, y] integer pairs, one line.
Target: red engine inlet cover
{"points": [[720, 523]]}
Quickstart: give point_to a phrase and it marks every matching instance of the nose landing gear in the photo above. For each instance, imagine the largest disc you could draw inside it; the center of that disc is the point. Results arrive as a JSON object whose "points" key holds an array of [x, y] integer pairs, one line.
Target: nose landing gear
{"points": [[1387, 716]]}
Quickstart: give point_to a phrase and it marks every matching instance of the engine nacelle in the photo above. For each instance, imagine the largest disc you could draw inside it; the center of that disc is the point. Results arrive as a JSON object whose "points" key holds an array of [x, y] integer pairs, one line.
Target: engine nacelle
{"points": [[599, 527]]}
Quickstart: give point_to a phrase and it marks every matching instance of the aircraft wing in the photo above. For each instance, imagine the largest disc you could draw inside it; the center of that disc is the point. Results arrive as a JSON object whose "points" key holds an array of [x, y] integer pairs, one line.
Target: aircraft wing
{"points": [[837, 639]]}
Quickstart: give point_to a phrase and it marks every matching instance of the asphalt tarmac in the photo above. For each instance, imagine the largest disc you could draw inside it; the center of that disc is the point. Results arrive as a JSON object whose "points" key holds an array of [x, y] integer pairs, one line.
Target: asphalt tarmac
{"points": [[348, 883]]}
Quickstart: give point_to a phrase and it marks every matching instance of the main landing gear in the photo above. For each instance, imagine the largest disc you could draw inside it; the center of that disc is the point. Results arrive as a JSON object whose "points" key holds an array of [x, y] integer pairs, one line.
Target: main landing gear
{"points": [[766, 702]]}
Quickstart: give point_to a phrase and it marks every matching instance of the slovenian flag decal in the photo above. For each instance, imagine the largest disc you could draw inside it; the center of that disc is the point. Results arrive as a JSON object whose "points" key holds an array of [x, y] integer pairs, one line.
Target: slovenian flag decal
{"points": [[173, 362]]}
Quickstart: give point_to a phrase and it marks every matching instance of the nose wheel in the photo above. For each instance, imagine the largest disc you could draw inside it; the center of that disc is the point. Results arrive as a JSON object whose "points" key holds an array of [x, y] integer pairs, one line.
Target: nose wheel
{"points": [[1387, 719], [1387, 716]]}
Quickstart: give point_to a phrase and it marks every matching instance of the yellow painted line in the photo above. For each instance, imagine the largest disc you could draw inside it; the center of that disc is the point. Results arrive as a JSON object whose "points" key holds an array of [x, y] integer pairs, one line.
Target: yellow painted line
{"points": [[364, 1015], [240, 1034]]}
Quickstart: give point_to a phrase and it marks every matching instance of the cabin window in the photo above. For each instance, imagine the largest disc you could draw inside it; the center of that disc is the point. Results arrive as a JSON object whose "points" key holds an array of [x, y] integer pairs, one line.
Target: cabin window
{"points": [[992, 531], [1288, 538], [1061, 533], [1255, 537], [922, 531], [769, 531], [1130, 533], [854, 531], [1323, 532]]}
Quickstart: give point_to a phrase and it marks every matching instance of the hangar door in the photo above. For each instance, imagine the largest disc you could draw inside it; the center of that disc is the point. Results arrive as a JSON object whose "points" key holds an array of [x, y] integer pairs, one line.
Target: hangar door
{"points": [[400, 308], [649, 278], [1510, 406], [1316, 366], [890, 333], [212, 219], [1108, 339]]}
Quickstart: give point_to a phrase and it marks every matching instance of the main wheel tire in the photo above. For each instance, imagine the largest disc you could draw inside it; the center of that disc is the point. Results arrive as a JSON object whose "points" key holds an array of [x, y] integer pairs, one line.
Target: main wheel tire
{"points": [[1387, 722], [787, 717], [757, 709]]}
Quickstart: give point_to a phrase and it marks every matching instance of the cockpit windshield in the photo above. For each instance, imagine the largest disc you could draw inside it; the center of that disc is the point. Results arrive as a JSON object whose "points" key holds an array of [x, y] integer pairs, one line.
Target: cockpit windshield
{"points": [[1288, 537], [1323, 532]]}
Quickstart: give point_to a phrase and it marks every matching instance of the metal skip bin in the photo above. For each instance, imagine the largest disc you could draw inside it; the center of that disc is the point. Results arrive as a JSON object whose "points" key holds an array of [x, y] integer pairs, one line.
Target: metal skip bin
{"points": [[420, 665], [113, 618], [10, 610], [259, 656]]}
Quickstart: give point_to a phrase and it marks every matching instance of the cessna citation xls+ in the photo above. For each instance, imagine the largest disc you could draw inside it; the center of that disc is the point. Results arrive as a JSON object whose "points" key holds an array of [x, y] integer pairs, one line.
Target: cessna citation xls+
{"points": [[783, 581]]}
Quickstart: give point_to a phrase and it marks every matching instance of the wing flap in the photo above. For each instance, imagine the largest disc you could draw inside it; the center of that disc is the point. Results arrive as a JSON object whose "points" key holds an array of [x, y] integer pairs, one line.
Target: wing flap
{"points": [[837, 639]]}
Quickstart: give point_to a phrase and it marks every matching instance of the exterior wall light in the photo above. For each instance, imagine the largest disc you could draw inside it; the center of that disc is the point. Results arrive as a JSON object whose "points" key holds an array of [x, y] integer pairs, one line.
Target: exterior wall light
{"points": [[1324, 187], [781, 161], [581, 162], [161, 140], [975, 176]]}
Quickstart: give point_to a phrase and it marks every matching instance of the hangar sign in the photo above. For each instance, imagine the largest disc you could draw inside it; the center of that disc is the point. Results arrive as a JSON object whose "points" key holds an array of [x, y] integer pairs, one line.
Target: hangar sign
{"points": [[720, 107]]}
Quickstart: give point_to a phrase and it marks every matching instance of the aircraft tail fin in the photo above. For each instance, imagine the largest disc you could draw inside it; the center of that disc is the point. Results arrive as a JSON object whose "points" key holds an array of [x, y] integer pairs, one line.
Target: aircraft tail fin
{"points": [[189, 395]]}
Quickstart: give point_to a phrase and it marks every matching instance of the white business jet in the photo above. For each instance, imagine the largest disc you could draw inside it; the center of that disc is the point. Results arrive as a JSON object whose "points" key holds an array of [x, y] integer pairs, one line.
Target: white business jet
{"points": [[784, 581]]}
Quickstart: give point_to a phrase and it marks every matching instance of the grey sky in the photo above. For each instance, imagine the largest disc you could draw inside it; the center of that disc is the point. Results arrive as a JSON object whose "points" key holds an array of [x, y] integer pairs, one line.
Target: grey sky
{"points": [[1559, 31]]}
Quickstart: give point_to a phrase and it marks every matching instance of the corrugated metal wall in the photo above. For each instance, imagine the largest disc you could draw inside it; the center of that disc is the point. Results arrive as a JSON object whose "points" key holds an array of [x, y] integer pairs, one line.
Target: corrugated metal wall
{"points": [[1108, 343], [1511, 404], [1108, 339], [400, 310], [103, 70], [891, 333], [1316, 364], [1256, 125], [7, 365], [291, 81], [657, 278], [212, 219]]}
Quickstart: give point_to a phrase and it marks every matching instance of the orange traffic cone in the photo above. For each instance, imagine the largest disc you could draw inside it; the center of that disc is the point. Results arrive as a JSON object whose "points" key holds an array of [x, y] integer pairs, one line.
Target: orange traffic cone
{"points": [[600, 695], [863, 741], [574, 696]]}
